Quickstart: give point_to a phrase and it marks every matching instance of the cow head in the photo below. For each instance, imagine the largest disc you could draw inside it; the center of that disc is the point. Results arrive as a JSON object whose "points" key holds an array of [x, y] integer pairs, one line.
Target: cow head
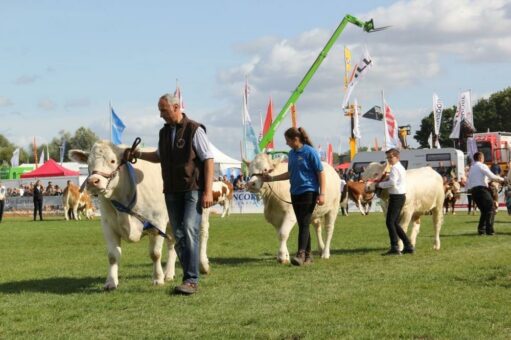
{"points": [[262, 163], [103, 161], [373, 173]]}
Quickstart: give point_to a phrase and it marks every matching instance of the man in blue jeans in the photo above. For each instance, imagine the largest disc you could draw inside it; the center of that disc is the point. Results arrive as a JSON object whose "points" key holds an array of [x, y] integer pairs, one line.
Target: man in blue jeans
{"points": [[187, 170]]}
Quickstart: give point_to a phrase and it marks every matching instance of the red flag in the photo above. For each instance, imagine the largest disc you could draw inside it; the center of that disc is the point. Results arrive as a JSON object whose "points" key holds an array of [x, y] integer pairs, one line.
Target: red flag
{"points": [[330, 155], [34, 146], [293, 116], [391, 129], [267, 122]]}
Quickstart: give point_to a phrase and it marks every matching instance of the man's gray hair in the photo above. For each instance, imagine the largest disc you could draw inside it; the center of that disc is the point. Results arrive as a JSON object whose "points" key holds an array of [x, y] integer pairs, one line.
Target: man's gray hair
{"points": [[170, 98]]}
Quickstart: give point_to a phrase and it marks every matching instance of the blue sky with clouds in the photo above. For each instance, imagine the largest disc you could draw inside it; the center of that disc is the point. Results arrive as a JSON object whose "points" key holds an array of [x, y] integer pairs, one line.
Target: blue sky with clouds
{"points": [[63, 62]]}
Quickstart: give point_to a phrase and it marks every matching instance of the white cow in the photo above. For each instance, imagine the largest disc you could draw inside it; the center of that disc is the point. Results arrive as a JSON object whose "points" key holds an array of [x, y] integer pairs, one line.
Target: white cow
{"points": [[278, 210], [424, 194], [110, 180]]}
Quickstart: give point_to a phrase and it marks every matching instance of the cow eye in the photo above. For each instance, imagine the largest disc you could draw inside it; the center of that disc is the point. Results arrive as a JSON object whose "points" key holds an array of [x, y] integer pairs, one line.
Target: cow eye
{"points": [[112, 161]]}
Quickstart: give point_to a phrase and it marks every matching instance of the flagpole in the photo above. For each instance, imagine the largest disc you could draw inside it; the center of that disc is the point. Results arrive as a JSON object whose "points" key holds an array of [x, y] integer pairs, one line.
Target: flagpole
{"points": [[110, 112]]}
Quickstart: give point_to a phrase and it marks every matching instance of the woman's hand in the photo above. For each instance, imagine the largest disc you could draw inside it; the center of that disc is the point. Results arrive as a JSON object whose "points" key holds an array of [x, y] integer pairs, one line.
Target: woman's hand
{"points": [[267, 177]]}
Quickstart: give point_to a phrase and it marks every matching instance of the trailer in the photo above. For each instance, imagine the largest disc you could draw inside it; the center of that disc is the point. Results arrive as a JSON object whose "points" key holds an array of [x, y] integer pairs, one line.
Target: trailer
{"points": [[496, 146]]}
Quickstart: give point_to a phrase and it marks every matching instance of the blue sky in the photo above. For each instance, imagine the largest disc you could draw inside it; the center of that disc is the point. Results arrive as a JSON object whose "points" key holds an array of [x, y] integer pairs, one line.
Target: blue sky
{"points": [[63, 62]]}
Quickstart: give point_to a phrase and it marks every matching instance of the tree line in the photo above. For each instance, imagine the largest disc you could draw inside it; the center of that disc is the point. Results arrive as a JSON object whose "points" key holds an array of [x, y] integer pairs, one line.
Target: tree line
{"points": [[83, 138]]}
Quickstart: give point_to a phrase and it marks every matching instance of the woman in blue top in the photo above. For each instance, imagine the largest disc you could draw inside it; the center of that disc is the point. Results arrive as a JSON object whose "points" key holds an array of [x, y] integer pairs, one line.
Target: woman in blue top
{"points": [[305, 172]]}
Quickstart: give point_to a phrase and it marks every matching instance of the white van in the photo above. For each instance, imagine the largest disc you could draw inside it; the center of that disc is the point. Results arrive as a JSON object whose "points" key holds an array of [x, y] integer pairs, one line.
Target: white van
{"points": [[446, 161]]}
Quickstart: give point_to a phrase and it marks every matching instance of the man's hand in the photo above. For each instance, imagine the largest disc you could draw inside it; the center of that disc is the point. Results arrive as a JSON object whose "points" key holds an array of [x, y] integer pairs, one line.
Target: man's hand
{"points": [[130, 155], [207, 199], [321, 199]]}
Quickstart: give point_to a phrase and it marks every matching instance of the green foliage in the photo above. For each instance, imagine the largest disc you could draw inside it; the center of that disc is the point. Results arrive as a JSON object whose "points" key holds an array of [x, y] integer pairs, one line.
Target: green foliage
{"points": [[491, 114], [53, 272], [83, 139], [6, 149]]}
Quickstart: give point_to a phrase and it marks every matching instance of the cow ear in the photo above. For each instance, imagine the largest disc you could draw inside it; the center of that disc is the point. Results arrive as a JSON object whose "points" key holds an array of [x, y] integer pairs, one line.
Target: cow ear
{"points": [[276, 161], [79, 156]]}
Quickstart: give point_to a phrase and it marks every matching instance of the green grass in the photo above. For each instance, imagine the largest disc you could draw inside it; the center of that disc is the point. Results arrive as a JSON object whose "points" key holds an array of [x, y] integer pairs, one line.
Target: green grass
{"points": [[52, 273]]}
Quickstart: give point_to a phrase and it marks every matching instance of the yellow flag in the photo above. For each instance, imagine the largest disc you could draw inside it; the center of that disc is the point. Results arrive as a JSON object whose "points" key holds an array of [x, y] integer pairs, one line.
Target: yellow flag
{"points": [[347, 64]]}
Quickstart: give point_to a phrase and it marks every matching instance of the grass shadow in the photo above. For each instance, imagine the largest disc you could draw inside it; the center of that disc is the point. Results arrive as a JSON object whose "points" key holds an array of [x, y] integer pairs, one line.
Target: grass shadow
{"points": [[237, 261], [356, 251], [54, 285]]}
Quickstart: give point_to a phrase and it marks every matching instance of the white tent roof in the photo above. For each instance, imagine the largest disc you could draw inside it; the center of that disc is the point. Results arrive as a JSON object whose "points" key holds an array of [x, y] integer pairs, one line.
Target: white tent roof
{"points": [[223, 162]]}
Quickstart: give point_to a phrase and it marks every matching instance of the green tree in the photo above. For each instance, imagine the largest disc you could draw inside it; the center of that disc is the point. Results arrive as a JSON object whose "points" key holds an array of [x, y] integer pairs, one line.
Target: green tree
{"points": [[422, 135], [83, 139], [6, 149]]}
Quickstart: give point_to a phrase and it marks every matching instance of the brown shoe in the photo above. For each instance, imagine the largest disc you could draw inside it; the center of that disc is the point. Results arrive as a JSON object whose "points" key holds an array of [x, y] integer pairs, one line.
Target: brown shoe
{"points": [[299, 259], [308, 258], [186, 288]]}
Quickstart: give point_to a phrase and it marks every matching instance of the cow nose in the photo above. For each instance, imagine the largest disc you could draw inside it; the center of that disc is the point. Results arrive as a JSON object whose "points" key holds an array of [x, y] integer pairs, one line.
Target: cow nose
{"points": [[93, 182]]}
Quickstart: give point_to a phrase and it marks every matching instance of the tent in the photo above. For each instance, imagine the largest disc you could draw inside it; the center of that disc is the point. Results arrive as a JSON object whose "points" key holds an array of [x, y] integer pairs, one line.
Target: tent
{"points": [[225, 165], [50, 169]]}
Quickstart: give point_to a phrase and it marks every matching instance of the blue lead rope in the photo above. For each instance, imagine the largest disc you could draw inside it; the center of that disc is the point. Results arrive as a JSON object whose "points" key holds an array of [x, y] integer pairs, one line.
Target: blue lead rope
{"points": [[128, 209]]}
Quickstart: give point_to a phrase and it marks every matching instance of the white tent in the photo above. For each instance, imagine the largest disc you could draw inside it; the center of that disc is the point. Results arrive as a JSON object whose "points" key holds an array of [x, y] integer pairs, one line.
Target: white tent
{"points": [[225, 165]]}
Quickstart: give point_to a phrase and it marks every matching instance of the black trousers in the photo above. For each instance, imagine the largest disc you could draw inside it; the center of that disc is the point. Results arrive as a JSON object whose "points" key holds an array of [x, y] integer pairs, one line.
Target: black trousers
{"points": [[2, 204], [469, 202], [396, 203], [482, 196], [303, 206], [38, 206]]}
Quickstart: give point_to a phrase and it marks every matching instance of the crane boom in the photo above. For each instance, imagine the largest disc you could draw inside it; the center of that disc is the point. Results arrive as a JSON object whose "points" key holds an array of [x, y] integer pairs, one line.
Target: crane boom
{"points": [[368, 26]]}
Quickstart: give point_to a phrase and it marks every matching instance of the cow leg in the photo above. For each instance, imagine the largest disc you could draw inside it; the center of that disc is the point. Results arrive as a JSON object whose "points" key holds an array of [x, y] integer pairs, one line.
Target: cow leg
{"points": [[204, 236], [66, 212], [75, 212], [359, 206], [155, 245], [170, 268], [227, 207], [319, 234], [114, 256], [416, 220], [329, 230], [283, 235], [437, 225]]}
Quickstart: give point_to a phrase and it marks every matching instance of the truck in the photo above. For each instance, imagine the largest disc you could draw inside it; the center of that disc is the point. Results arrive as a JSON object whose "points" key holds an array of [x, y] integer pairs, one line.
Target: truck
{"points": [[447, 161], [496, 146]]}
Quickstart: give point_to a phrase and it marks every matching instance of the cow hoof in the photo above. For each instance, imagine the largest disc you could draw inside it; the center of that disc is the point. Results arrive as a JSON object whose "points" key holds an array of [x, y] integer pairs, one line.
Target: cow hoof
{"points": [[325, 256], [436, 247], [283, 261], [158, 282], [169, 277], [109, 286], [204, 269]]}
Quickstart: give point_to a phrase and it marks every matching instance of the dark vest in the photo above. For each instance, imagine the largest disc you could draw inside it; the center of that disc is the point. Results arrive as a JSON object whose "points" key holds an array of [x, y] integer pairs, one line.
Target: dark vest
{"points": [[181, 168]]}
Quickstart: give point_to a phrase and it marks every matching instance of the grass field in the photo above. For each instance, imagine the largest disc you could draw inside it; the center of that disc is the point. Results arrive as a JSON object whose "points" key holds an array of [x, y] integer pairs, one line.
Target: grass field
{"points": [[52, 274]]}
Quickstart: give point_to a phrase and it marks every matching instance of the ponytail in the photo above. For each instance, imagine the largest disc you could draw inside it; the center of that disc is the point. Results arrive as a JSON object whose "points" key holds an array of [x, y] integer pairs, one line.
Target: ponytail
{"points": [[300, 133]]}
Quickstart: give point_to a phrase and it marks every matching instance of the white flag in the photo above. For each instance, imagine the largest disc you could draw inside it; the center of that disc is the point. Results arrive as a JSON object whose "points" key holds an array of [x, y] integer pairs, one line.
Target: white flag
{"points": [[463, 112], [15, 159], [359, 71], [41, 158], [438, 107], [471, 148], [391, 128], [430, 141], [356, 122]]}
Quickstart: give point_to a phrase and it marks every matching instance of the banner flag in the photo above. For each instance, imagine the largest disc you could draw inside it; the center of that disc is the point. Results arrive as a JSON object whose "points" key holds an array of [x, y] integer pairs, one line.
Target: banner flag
{"points": [[463, 113], [471, 148], [356, 121], [34, 151], [177, 93], [15, 159], [359, 71], [249, 136], [267, 123], [330, 155], [41, 158], [117, 128], [347, 66], [438, 107], [62, 151], [374, 113], [391, 128]]}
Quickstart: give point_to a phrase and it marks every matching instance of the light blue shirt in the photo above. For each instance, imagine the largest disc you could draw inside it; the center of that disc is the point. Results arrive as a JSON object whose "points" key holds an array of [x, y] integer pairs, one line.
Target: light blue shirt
{"points": [[200, 143]]}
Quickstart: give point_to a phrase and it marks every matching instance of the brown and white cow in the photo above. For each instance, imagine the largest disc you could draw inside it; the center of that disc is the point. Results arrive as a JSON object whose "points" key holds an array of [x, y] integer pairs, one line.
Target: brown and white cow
{"points": [[76, 203], [424, 194], [452, 190], [278, 210], [355, 191], [111, 181]]}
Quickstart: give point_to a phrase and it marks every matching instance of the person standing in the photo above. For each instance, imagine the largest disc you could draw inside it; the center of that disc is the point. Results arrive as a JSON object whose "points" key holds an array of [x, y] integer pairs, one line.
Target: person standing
{"points": [[187, 169], [307, 179], [481, 194], [3, 192], [396, 183], [38, 199]]}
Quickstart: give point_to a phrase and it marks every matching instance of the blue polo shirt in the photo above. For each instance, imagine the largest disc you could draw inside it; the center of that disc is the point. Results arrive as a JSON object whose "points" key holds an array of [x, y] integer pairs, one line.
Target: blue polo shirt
{"points": [[303, 166]]}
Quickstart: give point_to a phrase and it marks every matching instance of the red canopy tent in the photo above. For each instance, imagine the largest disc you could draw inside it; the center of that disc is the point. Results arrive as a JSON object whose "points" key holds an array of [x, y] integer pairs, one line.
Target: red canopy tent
{"points": [[343, 166], [50, 169]]}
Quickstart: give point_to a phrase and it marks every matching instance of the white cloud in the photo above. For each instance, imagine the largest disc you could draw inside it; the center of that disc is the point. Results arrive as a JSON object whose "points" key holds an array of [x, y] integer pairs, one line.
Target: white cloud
{"points": [[26, 79], [77, 103], [4, 101], [46, 104]]}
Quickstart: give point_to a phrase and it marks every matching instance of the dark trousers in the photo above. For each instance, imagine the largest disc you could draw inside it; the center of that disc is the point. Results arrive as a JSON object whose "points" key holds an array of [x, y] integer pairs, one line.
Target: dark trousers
{"points": [[303, 205], [2, 204], [38, 206], [469, 202], [482, 196], [396, 203]]}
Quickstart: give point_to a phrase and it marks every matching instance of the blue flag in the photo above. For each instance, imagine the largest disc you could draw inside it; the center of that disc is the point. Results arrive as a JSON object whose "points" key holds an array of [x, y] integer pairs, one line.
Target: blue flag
{"points": [[117, 128]]}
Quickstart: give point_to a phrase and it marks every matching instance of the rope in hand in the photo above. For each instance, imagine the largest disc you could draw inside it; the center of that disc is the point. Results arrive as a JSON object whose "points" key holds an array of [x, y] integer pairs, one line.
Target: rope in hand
{"points": [[129, 154]]}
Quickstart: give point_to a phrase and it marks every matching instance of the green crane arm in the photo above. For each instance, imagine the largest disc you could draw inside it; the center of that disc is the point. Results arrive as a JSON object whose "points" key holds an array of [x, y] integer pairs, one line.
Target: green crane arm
{"points": [[368, 26]]}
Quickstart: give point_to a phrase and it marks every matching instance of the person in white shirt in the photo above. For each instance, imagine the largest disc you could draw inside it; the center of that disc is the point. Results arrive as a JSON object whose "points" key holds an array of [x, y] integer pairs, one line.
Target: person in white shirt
{"points": [[2, 200], [481, 194], [396, 184]]}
